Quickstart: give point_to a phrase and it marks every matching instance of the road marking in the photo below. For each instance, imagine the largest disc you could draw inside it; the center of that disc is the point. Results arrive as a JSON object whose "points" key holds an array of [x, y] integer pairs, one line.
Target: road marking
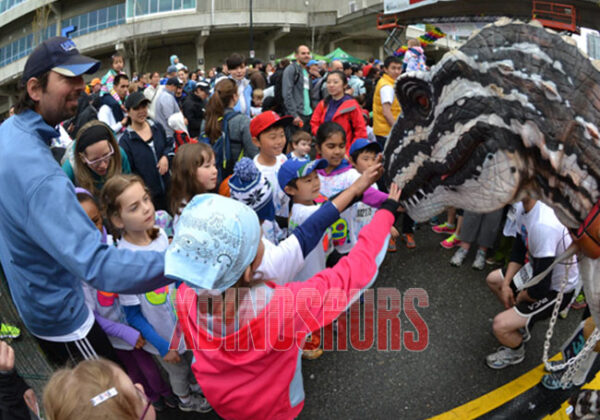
{"points": [[561, 414], [499, 396]]}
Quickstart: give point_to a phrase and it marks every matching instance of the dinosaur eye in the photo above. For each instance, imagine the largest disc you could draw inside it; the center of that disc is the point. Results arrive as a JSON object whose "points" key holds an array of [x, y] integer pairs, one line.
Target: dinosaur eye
{"points": [[415, 97], [423, 101]]}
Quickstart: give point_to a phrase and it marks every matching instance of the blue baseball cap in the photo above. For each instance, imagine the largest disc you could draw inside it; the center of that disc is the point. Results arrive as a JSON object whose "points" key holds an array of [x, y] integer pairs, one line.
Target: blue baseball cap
{"points": [[360, 144], [60, 55], [312, 63], [294, 169]]}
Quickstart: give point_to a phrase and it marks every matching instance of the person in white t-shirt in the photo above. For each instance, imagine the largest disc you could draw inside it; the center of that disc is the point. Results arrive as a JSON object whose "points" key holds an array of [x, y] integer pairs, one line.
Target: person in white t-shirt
{"points": [[267, 130], [363, 155], [130, 211], [540, 239]]}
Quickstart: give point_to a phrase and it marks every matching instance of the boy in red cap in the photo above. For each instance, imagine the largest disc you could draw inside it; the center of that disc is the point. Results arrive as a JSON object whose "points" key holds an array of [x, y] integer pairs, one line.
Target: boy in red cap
{"points": [[268, 134]]}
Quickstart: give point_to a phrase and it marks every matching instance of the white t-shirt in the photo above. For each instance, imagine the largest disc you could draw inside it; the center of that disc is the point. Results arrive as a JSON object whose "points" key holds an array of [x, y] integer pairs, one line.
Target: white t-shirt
{"points": [[361, 216], [342, 236], [386, 93], [281, 263], [280, 199], [157, 305], [546, 237], [315, 260]]}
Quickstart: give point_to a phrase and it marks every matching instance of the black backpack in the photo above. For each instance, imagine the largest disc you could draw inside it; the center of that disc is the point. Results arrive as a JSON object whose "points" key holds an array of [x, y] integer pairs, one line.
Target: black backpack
{"points": [[279, 105]]}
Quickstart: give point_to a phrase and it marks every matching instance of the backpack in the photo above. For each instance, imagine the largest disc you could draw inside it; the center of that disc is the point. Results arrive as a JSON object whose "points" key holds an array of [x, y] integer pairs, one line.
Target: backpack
{"points": [[181, 138], [222, 147], [280, 106]]}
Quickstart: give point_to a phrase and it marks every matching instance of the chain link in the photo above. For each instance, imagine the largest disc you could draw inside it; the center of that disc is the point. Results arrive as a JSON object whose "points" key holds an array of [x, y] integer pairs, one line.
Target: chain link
{"points": [[573, 364]]}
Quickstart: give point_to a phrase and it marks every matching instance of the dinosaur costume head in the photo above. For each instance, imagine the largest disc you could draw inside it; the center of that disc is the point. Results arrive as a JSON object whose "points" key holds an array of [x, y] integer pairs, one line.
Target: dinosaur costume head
{"points": [[515, 110]]}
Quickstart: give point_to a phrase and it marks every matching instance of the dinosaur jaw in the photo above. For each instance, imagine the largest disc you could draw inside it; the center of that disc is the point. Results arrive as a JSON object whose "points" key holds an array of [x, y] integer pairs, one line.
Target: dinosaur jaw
{"points": [[479, 181]]}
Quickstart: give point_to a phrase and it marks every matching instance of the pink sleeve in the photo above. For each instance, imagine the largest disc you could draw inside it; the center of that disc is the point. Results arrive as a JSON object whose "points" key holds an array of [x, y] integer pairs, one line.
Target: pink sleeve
{"points": [[373, 197], [319, 300]]}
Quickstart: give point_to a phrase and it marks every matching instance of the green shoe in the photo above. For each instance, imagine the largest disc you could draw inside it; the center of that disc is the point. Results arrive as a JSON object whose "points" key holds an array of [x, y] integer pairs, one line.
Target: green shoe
{"points": [[9, 331]]}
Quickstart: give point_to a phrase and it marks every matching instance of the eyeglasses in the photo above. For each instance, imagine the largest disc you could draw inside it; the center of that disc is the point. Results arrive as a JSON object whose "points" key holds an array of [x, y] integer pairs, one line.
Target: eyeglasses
{"points": [[98, 161], [145, 400]]}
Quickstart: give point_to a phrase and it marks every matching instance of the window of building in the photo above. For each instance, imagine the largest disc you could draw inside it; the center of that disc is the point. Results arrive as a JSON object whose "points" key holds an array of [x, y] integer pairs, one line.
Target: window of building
{"points": [[9, 4], [22, 46], [593, 45], [96, 20], [147, 7]]}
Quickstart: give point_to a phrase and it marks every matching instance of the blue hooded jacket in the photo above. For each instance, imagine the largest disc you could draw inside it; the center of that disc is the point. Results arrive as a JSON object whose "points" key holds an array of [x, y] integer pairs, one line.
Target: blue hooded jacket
{"points": [[47, 242]]}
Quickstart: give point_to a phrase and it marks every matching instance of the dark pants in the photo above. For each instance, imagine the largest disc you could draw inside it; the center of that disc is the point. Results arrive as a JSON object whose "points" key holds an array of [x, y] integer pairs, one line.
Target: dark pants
{"points": [[92, 346], [142, 369], [381, 182]]}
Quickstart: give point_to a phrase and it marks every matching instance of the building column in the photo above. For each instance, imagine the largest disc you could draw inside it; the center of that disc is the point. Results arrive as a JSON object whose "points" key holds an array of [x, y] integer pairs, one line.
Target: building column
{"points": [[272, 37], [200, 40], [381, 53]]}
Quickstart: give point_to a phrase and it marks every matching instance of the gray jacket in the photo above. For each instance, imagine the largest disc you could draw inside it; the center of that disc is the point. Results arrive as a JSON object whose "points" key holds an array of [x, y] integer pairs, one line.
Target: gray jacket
{"points": [[292, 90], [239, 131], [166, 105]]}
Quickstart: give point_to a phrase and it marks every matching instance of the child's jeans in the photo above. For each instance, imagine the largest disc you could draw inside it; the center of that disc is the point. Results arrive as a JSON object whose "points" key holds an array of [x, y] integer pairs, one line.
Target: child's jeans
{"points": [[180, 374]]}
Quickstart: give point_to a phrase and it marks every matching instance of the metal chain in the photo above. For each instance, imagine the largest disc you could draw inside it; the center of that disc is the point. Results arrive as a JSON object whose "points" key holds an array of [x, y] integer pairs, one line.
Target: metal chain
{"points": [[573, 368], [550, 330], [572, 365]]}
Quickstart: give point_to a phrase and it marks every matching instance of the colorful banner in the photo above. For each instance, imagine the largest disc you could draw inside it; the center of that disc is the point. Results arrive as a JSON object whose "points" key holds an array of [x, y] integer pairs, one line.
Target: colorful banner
{"points": [[433, 34]]}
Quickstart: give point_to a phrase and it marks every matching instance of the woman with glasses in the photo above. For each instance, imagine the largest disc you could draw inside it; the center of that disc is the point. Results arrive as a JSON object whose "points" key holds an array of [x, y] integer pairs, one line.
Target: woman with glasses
{"points": [[97, 157]]}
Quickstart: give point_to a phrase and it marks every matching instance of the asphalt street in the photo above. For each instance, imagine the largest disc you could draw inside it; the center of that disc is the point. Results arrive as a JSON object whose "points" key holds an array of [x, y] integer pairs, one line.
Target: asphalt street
{"points": [[449, 372]]}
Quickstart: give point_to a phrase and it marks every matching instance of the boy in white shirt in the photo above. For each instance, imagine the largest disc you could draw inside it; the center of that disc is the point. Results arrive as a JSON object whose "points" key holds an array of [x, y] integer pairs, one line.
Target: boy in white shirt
{"points": [[363, 155], [267, 130]]}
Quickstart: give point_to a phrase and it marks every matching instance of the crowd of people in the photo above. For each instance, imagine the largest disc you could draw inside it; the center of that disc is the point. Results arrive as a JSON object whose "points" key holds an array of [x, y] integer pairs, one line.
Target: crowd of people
{"points": [[143, 198]]}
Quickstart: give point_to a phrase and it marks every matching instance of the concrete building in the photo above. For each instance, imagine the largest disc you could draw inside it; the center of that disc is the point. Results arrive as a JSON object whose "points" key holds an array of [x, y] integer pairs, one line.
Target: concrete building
{"points": [[201, 32]]}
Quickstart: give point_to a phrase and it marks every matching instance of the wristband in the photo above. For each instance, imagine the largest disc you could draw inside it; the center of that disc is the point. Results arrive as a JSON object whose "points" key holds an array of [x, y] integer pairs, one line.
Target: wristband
{"points": [[391, 206]]}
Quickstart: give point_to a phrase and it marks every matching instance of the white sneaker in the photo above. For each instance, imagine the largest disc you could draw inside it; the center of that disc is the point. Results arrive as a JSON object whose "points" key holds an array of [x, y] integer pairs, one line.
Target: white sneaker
{"points": [[479, 263], [459, 256], [505, 357], [197, 403]]}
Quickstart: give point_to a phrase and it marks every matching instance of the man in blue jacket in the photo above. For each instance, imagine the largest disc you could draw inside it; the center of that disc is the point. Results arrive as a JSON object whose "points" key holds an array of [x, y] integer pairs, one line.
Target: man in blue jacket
{"points": [[48, 245]]}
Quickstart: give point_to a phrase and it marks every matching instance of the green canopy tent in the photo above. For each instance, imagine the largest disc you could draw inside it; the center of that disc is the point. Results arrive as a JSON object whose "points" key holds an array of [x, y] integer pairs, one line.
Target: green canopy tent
{"points": [[292, 56], [339, 54]]}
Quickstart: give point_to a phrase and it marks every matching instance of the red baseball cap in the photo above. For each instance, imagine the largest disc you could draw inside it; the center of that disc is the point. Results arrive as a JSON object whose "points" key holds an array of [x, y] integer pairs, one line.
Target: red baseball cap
{"points": [[266, 120]]}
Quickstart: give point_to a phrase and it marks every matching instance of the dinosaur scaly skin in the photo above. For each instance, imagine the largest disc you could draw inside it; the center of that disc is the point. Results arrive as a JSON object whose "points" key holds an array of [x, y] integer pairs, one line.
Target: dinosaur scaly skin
{"points": [[515, 110]]}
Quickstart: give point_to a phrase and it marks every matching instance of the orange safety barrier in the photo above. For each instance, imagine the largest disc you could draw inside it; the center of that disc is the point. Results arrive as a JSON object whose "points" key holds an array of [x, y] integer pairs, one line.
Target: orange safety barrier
{"points": [[562, 17], [389, 21]]}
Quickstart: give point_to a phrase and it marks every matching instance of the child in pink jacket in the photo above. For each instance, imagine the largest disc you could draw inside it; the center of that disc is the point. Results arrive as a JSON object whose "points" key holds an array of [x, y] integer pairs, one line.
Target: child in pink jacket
{"points": [[248, 358]]}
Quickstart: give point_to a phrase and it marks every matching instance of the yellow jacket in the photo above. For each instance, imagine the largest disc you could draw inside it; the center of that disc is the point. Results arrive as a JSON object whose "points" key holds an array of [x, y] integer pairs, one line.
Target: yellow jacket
{"points": [[380, 124]]}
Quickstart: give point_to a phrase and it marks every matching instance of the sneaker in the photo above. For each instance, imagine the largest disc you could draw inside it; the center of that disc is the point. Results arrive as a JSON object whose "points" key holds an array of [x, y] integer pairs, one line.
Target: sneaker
{"points": [[458, 257], [526, 334], [479, 263], [312, 354], [551, 381], [392, 245], [197, 404], [444, 228], [450, 242], [505, 357], [579, 302], [159, 405], [9, 331], [434, 221], [409, 238], [171, 401]]}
